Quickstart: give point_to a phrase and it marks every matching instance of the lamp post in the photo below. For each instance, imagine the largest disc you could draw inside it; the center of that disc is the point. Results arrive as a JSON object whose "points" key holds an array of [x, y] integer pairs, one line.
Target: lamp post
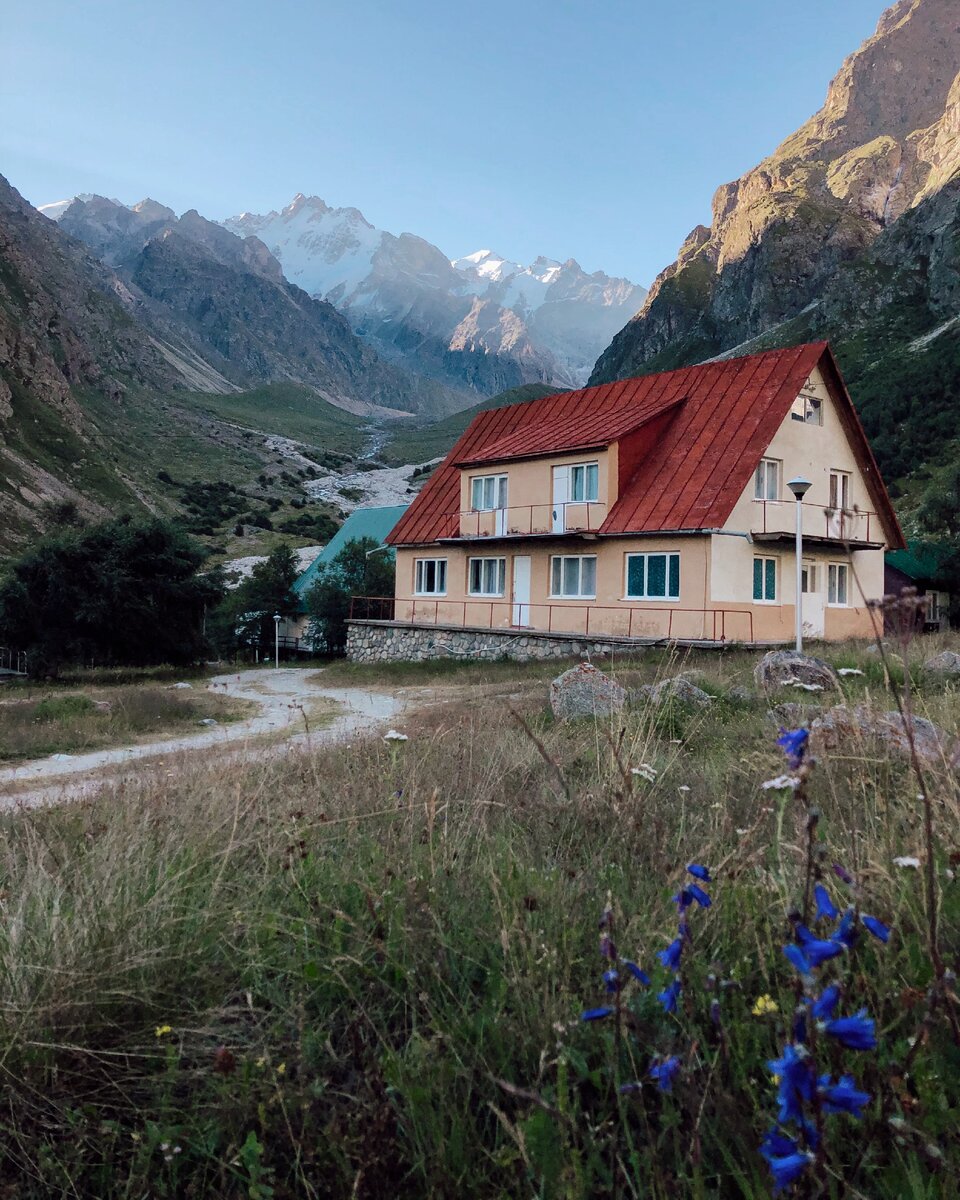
{"points": [[799, 486], [276, 639]]}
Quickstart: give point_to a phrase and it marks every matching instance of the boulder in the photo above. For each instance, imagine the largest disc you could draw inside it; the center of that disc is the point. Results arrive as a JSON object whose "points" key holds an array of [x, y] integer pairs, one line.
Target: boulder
{"points": [[741, 695], [947, 662], [675, 688], [839, 726], [787, 668], [584, 691]]}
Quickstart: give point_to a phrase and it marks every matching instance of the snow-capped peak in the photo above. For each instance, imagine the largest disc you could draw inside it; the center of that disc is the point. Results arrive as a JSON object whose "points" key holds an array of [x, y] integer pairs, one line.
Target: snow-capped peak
{"points": [[56, 210]]}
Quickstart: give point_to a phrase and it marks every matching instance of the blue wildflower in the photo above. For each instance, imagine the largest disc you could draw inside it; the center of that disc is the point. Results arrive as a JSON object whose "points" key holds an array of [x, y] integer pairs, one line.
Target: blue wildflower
{"points": [[800, 1027], [856, 1032], [794, 743], [698, 872], [640, 975], [846, 931], [877, 928], [776, 1144], [699, 895], [797, 959], [664, 1072], [842, 1096], [595, 1014], [683, 899], [670, 957], [607, 948], [795, 1072], [822, 1009], [826, 909], [842, 873], [611, 980], [669, 996], [788, 1168]]}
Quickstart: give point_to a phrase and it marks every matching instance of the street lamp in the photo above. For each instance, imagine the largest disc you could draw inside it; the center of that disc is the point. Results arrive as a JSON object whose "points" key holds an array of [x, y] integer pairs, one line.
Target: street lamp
{"points": [[276, 639], [799, 487]]}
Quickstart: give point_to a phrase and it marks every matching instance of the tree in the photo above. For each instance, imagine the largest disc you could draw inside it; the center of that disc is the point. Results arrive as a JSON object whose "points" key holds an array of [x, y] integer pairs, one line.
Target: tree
{"points": [[939, 517], [355, 571], [245, 618], [123, 592]]}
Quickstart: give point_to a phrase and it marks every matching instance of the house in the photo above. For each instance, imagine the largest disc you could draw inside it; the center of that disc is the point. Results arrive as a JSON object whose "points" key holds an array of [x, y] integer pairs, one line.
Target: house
{"points": [[656, 507], [921, 565], [373, 523]]}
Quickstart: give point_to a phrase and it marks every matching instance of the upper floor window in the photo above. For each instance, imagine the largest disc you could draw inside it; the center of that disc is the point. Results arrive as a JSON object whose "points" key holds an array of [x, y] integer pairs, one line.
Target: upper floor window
{"points": [[488, 576], [766, 482], [653, 576], [488, 492], [574, 576], [839, 490], [430, 577], [807, 409], [584, 484]]}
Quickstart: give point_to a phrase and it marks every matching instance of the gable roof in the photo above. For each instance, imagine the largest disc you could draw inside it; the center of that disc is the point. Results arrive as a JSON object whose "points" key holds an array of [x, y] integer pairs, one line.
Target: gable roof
{"points": [[373, 523], [923, 562], [713, 423]]}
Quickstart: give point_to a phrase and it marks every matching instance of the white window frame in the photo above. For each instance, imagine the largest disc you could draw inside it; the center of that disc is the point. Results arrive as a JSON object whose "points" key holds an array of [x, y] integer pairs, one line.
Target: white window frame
{"points": [[808, 409], [420, 572], [844, 485], [761, 479], [834, 570], [766, 558], [585, 473], [486, 566], [495, 483], [580, 559], [645, 555], [810, 574]]}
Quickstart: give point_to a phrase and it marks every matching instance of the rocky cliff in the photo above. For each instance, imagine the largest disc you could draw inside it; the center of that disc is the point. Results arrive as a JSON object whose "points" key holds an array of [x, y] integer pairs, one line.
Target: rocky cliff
{"points": [[848, 230]]}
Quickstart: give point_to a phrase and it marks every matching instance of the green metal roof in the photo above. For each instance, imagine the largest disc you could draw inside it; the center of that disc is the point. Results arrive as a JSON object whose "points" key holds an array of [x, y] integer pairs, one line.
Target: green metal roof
{"points": [[922, 561], [373, 523]]}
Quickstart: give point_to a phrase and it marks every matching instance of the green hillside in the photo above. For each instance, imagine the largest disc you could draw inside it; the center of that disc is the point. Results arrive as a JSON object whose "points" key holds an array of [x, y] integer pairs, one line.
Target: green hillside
{"points": [[411, 445]]}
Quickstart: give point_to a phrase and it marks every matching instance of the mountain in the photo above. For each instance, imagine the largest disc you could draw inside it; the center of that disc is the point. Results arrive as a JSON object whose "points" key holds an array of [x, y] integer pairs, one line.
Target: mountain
{"points": [[224, 299], [849, 230], [479, 323]]}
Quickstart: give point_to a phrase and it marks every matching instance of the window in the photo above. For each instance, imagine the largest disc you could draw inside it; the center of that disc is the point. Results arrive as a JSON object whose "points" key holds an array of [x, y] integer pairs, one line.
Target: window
{"points": [[488, 576], [572, 576], [766, 482], [431, 577], [584, 482], [808, 577], [837, 583], [839, 490], [653, 576], [807, 409], [488, 492], [765, 579], [932, 610]]}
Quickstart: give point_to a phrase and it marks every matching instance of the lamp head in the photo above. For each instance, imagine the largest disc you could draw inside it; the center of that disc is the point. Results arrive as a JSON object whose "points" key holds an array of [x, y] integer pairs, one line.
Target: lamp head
{"points": [[277, 618], [799, 486]]}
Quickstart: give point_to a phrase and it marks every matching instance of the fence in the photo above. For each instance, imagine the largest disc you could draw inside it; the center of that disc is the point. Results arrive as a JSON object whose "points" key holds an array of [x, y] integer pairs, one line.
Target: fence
{"points": [[842, 525], [669, 622], [572, 516], [13, 662]]}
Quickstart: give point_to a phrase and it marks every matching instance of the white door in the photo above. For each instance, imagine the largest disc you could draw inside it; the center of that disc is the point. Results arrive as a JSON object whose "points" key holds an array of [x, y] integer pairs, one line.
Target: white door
{"points": [[501, 502], [521, 589], [837, 525], [813, 605], [561, 490]]}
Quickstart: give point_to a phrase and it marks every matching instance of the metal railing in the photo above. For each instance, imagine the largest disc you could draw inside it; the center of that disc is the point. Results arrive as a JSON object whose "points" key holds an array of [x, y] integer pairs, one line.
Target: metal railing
{"points": [[668, 622], [839, 524], [518, 520], [13, 661]]}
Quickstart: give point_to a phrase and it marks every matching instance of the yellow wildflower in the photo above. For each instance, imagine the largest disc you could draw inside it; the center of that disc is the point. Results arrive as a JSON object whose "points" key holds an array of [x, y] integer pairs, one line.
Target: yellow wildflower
{"points": [[282, 1069], [764, 1006], [163, 1030]]}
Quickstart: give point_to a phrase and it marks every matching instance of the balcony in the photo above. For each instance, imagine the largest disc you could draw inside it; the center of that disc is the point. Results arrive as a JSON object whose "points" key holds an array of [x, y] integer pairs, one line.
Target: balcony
{"points": [[532, 520], [776, 520]]}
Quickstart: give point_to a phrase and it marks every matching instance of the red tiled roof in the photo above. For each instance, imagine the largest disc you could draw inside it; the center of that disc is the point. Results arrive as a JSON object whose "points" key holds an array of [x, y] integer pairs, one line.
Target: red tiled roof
{"points": [[687, 474]]}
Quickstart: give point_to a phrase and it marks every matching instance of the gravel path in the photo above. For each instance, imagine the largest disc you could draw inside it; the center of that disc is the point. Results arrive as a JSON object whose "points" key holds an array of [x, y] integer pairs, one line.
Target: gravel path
{"points": [[280, 693]]}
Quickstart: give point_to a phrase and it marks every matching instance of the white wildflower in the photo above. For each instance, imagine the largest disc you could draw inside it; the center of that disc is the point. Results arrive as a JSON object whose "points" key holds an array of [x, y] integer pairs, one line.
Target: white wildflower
{"points": [[807, 687], [906, 860], [683, 788], [645, 771], [394, 735], [849, 671], [780, 783]]}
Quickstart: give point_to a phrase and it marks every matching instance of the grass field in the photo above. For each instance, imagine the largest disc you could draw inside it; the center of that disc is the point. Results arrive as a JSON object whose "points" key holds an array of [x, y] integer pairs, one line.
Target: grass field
{"points": [[359, 972]]}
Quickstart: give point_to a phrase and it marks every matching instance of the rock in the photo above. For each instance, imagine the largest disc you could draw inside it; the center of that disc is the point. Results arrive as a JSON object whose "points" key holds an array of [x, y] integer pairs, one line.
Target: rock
{"points": [[873, 648], [207, 721], [677, 688], [841, 725], [787, 668], [792, 715], [103, 706], [584, 691], [741, 695], [945, 663], [176, 687]]}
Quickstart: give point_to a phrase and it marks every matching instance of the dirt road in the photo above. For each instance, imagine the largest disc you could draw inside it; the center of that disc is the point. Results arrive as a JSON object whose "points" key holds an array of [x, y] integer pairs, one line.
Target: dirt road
{"points": [[282, 696]]}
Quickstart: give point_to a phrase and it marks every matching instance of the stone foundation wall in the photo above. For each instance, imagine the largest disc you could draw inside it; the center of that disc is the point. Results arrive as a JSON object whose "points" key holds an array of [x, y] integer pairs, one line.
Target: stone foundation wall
{"points": [[390, 641]]}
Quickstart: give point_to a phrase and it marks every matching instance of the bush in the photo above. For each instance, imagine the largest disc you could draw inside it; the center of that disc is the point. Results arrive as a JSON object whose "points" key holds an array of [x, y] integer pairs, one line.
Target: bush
{"points": [[62, 708]]}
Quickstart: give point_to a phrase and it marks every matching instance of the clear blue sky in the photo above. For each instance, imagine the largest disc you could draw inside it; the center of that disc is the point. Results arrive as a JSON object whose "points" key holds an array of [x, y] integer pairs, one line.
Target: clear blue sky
{"points": [[596, 129]]}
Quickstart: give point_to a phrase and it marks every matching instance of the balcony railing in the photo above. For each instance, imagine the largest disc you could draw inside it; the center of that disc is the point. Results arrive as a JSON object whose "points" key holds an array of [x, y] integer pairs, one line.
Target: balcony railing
{"points": [[774, 517], [520, 520], [668, 623]]}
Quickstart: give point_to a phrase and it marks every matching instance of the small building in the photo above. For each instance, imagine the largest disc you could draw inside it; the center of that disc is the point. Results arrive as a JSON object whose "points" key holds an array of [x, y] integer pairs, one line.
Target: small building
{"points": [[373, 523], [654, 508], [920, 565]]}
